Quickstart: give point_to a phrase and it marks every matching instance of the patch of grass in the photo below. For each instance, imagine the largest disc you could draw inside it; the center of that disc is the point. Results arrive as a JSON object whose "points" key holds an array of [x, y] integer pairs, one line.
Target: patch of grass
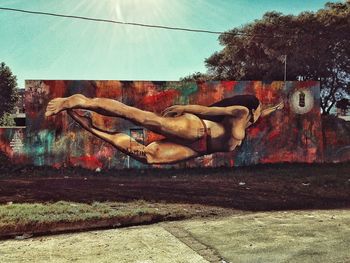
{"points": [[51, 217], [23, 214]]}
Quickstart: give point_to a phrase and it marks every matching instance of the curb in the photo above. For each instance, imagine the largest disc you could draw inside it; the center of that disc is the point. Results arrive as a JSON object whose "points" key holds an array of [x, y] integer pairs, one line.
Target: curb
{"points": [[55, 228]]}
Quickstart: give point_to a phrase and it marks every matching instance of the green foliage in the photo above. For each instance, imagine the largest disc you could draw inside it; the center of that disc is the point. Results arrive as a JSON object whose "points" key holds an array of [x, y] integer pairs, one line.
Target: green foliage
{"points": [[317, 46], [7, 120], [198, 76], [8, 90]]}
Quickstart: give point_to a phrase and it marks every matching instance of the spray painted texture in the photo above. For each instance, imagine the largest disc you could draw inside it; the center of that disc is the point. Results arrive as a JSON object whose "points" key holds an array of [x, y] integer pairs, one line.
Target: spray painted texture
{"points": [[293, 133]]}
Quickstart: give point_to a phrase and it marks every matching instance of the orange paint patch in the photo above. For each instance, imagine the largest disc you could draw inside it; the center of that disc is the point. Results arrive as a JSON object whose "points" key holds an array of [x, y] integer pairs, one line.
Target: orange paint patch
{"points": [[56, 88], [104, 122], [152, 137], [279, 157], [268, 94], [208, 93], [109, 89], [144, 87]]}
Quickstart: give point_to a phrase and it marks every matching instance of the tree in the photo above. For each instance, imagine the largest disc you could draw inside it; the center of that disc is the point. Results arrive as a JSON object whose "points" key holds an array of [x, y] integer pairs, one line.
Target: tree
{"points": [[343, 105], [8, 93], [7, 120], [316, 45], [197, 76]]}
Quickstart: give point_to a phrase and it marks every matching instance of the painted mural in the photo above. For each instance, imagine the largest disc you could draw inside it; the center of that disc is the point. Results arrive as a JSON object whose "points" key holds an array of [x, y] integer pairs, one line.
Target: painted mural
{"points": [[131, 124], [188, 131]]}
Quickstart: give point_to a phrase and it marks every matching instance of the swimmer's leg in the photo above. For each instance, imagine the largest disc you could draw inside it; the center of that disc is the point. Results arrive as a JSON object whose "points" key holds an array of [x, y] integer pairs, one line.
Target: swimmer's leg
{"points": [[184, 127], [120, 141], [160, 152]]}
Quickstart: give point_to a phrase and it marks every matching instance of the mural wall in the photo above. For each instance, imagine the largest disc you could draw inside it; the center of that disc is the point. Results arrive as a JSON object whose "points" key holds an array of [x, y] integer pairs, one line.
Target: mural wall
{"points": [[276, 122]]}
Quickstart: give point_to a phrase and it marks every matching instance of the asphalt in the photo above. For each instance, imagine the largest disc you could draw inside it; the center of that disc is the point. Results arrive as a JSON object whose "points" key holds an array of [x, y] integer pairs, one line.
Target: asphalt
{"points": [[285, 236]]}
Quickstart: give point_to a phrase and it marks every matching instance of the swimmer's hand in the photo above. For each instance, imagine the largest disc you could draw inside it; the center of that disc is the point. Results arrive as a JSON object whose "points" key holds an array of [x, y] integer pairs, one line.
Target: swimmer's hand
{"points": [[174, 111], [270, 110]]}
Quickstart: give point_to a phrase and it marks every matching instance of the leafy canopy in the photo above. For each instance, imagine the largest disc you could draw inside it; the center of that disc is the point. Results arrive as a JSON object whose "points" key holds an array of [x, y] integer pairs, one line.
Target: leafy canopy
{"points": [[316, 46], [8, 90], [8, 95]]}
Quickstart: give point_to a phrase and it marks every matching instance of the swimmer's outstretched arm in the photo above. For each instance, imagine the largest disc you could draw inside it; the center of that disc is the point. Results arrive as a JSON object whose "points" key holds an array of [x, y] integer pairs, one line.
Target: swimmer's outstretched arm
{"points": [[200, 110], [270, 110]]}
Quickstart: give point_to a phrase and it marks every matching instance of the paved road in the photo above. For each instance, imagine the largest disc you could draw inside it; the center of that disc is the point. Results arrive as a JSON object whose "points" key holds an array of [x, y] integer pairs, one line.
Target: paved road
{"points": [[293, 236]]}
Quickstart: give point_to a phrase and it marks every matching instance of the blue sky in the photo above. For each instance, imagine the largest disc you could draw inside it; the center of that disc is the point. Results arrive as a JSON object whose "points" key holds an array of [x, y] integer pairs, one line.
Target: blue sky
{"points": [[39, 47]]}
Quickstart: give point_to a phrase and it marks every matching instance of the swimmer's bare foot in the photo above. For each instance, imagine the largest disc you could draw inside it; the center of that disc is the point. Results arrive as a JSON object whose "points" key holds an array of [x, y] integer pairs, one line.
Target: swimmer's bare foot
{"points": [[55, 106], [59, 104]]}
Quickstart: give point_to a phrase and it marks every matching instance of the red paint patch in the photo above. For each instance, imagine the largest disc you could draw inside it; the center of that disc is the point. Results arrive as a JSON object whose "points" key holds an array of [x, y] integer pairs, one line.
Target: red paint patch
{"points": [[57, 165], [229, 85], [89, 162], [279, 157], [253, 132], [331, 137], [274, 134], [159, 101], [306, 84]]}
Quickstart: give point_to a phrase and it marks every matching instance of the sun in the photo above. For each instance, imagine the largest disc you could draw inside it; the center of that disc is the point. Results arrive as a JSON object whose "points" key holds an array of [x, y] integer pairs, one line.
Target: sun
{"points": [[138, 10]]}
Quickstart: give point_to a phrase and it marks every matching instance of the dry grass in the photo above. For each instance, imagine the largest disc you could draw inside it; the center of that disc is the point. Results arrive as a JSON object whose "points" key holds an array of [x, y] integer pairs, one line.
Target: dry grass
{"points": [[42, 218], [17, 215]]}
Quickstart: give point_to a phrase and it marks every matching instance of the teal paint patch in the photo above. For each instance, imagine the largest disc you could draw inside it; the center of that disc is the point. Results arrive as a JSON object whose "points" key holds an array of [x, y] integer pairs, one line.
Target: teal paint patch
{"points": [[186, 89], [39, 146]]}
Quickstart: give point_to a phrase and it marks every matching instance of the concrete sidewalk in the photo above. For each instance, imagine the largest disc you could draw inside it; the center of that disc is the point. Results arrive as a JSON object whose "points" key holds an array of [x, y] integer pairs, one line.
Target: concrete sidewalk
{"points": [[294, 236], [137, 244]]}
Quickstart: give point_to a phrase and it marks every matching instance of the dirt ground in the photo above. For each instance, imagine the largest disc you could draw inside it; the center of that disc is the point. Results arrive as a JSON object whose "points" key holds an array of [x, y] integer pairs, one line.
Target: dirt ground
{"points": [[220, 197], [260, 188]]}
